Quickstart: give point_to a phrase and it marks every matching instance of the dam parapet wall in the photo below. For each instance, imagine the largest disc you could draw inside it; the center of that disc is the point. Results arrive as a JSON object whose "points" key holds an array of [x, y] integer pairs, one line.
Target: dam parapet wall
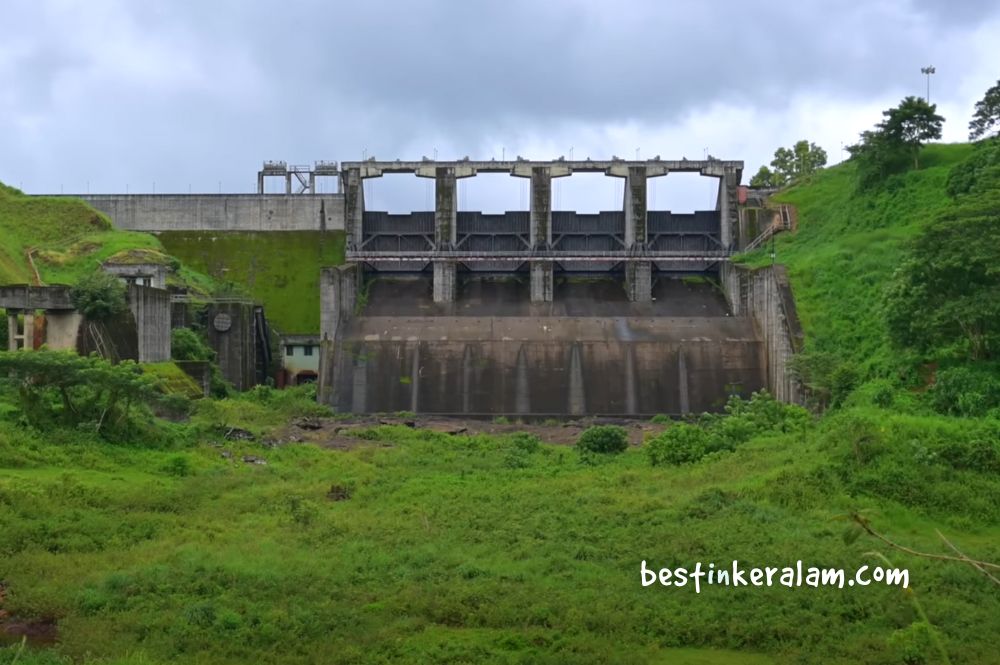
{"points": [[221, 212]]}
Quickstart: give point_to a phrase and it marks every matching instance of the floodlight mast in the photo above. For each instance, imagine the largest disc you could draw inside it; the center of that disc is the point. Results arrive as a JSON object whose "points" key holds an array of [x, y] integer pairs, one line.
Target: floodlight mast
{"points": [[930, 69]]}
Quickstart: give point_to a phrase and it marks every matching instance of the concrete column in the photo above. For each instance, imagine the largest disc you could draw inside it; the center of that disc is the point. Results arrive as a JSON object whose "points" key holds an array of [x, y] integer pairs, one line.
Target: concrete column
{"points": [[444, 281], [312, 182], [29, 329], [12, 325], [541, 207], [638, 274], [639, 281], [541, 281], [288, 183], [729, 184], [354, 206], [445, 209], [445, 232], [635, 208], [260, 182]]}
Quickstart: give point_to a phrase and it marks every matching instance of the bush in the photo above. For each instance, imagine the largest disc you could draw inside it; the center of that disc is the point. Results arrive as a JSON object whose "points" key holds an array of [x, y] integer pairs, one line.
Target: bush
{"points": [[681, 444], [56, 387], [966, 391], [603, 439], [99, 296], [186, 344]]}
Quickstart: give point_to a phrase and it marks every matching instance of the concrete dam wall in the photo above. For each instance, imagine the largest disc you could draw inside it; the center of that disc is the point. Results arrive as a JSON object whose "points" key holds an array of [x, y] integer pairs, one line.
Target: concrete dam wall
{"points": [[222, 212], [493, 352], [544, 365]]}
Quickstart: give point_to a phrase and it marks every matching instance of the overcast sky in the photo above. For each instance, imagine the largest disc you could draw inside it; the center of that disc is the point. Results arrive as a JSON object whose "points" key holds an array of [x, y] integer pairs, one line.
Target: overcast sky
{"points": [[194, 94]]}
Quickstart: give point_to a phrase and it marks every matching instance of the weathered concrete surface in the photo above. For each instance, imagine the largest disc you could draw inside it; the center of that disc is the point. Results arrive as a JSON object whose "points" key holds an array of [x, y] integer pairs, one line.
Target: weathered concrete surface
{"points": [[444, 281], [231, 334], [765, 296], [541, 282], [22, 296], [151, 309], [543, 365], [221, 212]]}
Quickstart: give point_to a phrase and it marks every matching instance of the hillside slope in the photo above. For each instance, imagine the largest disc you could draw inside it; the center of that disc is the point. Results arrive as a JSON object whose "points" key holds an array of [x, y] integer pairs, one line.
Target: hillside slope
{"points": [[57, 240], [843, 255]]}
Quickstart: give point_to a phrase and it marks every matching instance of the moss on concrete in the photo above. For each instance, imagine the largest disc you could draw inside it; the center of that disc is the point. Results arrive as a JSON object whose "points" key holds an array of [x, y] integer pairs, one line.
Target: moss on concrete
{"points": [[281, 270]]}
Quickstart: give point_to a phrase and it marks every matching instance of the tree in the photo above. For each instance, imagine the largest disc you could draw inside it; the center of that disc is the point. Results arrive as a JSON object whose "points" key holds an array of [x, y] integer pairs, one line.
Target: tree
{"points": [[60, 387], [803, 159], [944, 300], [895, 141], [99, 296], [987, 115], [766, 178], [790, 164], [911, 124]]}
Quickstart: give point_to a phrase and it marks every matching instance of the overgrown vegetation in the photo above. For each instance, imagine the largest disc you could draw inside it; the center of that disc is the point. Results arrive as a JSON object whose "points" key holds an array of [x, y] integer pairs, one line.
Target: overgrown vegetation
{"points": [[790, 165], [280, 270], [55, 388], [61, 240], [99, 296]]}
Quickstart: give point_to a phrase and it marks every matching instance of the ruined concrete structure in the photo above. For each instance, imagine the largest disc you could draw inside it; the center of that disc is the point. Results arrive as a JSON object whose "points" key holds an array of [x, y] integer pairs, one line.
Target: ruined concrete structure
{"points": [[44, 315]]}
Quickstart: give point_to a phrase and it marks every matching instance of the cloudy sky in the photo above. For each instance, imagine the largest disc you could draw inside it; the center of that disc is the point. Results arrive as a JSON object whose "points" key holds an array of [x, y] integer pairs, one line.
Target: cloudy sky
{"points": [[191, 95]]}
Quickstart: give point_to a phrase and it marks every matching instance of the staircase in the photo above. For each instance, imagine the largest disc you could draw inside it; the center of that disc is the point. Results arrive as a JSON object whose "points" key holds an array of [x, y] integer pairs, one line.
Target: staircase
{"points": [[782, 223]]}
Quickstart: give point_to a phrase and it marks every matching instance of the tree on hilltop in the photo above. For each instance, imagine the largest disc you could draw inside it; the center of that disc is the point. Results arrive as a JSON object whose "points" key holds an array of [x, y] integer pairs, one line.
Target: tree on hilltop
{"points": [[790, 164], [987, 115]]}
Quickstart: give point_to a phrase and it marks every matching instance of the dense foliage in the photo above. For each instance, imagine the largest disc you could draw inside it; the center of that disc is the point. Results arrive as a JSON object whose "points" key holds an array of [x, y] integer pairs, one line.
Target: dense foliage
{"points": [[895, 143], [743, 420], [61, 388], [790, 164], [987, 114], [603, 439], [99, 296]]}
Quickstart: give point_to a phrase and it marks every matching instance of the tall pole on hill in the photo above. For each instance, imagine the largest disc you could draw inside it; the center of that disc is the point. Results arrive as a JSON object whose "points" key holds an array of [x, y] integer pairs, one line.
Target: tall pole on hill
{"points": [[928, 71]]}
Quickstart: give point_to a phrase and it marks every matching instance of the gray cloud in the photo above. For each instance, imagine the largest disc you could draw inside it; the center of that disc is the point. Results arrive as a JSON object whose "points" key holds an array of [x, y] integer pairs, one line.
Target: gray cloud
{"points": [[113, 92]]}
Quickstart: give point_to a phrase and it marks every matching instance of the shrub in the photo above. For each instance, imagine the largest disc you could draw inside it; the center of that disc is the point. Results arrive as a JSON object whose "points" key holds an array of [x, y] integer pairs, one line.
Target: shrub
{"points": [[603, 439], [524, 442], [681, 444], [99, 296], [966, 391], [186, 344]]}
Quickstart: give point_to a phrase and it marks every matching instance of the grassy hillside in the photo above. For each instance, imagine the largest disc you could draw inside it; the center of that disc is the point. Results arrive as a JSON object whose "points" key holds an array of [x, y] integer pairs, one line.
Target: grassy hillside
{"points": [[846, 248], [281, 270], [67, 239], [414, 546]]}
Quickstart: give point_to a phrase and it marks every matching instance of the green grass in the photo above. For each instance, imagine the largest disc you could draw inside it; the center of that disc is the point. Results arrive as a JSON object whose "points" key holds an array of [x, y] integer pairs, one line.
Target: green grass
{"points": [[175, 380], [281, 270], [67, 240], [846, 248], [447, 552]]}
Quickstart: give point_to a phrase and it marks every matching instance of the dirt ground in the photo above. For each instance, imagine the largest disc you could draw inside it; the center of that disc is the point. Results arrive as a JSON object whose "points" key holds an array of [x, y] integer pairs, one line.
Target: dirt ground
{"points": [[341, 432]]}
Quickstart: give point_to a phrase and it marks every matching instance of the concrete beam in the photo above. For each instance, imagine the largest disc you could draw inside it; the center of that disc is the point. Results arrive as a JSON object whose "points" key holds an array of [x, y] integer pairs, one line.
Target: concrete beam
{"points": [[522, 167]]}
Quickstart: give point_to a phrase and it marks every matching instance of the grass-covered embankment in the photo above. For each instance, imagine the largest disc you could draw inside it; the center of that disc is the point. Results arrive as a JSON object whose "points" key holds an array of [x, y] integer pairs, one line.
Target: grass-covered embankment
{"points": [[280, 270]]}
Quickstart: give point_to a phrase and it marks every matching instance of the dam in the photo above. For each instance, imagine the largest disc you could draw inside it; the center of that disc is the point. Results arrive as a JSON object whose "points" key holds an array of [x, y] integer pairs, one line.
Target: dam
{"points": [[632, 311], [628, 312]]}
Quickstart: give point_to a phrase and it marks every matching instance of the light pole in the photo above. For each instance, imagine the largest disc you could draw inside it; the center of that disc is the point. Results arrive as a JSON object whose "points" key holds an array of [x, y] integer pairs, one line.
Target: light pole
{"points": [[928, 71]]}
